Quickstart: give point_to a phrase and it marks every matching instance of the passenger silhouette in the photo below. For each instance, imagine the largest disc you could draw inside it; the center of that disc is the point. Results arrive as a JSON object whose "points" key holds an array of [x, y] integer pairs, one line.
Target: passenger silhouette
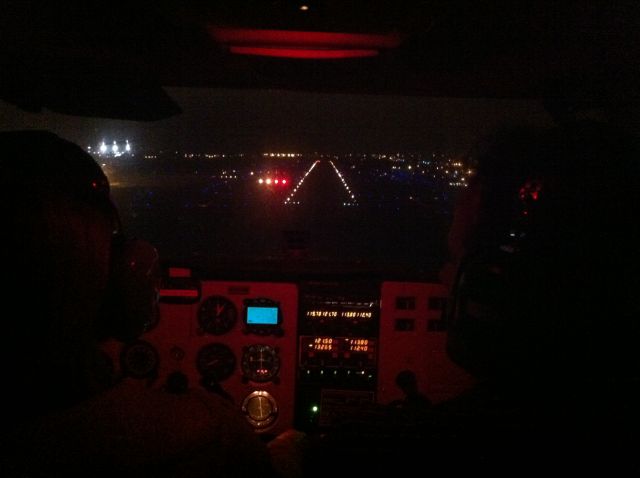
{"points": [[63, 413], [544, 311]]}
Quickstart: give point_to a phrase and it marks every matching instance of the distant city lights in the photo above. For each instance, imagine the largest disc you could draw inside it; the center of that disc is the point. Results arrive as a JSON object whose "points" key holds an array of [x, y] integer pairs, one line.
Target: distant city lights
{"points": [[428, 171], [281, 155]]}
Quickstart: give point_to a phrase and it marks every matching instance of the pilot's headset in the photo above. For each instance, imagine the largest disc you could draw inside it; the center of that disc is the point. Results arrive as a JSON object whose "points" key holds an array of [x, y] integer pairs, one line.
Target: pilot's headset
{"points": [[47, 162], [549, 253], [130, 307], [130, 304]]}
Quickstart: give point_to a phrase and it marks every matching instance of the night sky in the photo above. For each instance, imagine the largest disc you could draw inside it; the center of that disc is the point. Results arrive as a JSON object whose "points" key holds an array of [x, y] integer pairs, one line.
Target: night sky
{"points": [[266, 120]]}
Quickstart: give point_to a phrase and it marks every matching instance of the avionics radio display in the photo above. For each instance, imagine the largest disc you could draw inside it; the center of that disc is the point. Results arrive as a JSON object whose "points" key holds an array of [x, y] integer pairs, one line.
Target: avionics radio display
{"points": [[342, 314], [343, 346], [339, 314], [323, 344], [359, 345]]}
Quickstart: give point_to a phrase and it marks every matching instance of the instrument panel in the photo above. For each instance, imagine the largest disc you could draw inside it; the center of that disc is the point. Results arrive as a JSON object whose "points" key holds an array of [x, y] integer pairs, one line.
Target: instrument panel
{"points": [[230, 338], [296, 355]]}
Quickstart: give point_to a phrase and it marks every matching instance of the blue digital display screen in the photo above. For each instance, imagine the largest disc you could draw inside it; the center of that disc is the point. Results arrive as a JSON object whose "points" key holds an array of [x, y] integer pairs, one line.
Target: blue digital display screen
{"points": [[262, 315]]}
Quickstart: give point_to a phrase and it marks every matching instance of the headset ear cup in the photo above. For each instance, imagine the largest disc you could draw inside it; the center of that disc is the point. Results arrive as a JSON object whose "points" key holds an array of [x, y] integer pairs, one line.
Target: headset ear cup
{"points": [[478, 311], [130, 307], [496, 322]]}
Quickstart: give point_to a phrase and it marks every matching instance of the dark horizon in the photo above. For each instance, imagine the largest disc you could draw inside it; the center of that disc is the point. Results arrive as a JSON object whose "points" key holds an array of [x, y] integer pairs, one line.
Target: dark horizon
{"points": [[252, 121]]}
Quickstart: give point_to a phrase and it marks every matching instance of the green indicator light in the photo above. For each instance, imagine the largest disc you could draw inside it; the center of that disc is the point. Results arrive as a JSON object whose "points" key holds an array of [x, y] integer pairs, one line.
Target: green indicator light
{"points": [[314, 409]]}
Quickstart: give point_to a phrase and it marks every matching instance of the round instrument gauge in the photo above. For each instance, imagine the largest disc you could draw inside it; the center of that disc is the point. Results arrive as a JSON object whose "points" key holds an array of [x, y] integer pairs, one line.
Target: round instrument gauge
{"points": [[139, 359], [260, 363], [217, 315], [260, 409], [216, 361]]}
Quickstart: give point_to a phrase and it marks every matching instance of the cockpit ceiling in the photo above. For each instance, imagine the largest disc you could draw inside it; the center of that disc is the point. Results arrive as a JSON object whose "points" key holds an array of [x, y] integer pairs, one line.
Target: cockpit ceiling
{"points": [[117, 60]]}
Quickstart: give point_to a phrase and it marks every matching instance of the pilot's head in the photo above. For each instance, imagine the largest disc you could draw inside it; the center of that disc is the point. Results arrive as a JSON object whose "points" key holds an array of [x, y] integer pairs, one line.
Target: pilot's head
{"points": [[57, 209], [58, 223], [544, 245], [59, 247]]}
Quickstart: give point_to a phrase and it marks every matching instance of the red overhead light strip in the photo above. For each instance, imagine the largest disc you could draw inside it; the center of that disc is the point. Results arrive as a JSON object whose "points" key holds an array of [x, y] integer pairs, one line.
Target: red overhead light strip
{"points": [[302, 53], [303, 44]]}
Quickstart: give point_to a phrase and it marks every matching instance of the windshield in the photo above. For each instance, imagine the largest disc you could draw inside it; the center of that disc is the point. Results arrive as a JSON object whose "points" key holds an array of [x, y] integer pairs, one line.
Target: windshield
{"points": [[274, 181]]}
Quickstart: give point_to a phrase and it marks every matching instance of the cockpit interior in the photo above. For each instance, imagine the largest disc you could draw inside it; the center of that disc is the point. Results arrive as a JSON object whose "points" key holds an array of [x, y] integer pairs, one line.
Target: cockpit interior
{"points": [[297, 164]]}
